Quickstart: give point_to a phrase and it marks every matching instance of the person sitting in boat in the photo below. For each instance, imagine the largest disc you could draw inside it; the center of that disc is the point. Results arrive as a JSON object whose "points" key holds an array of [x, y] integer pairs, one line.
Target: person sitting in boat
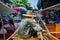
{"points": [[11, 25], [25, 26]]}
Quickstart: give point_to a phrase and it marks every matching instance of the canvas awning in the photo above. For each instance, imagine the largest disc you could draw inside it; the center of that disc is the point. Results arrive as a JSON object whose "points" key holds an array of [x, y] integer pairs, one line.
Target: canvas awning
{"points": [[54, 7], [4, 9]]}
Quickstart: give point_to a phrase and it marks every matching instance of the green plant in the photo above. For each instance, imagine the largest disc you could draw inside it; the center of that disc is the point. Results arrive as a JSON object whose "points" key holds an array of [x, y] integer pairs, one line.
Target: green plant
{"points": [[19, 3]]}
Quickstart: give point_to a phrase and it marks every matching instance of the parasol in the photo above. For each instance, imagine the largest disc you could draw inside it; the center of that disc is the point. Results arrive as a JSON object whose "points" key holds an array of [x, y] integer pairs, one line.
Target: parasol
{"points": [[21, 9], [17, 8]]}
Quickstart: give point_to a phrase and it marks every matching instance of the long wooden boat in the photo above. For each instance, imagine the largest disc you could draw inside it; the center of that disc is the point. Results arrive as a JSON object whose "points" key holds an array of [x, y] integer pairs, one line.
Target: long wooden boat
{"points": [[53, 28]]}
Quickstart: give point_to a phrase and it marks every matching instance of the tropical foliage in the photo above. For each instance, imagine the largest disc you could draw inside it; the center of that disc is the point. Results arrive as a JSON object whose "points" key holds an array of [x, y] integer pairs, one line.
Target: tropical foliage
{"points": [[19, 3]]}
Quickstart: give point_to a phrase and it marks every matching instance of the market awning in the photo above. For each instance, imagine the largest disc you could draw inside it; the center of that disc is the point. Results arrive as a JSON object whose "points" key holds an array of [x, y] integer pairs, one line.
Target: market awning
{"points": [[4, 9], [54, 7]]}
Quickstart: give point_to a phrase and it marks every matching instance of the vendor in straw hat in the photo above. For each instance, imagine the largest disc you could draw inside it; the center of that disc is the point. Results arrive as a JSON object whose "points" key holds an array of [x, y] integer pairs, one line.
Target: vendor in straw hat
{"points": [[29, 14], [25, 26]]}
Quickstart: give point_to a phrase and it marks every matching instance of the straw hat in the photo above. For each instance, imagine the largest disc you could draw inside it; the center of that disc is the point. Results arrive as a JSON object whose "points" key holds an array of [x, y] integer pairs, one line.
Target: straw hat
{"points": [[29, 14]]}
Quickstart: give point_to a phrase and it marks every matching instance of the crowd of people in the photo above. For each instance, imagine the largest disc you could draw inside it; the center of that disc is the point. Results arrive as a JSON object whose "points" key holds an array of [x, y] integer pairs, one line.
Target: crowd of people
{"points": [[6, 25], [51, 17]]}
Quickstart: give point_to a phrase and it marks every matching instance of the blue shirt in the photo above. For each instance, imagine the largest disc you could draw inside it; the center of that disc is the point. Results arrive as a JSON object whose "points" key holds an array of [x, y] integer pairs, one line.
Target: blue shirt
{"points": [[16, 18], [58, 20], [11, 27], [4, 21]]}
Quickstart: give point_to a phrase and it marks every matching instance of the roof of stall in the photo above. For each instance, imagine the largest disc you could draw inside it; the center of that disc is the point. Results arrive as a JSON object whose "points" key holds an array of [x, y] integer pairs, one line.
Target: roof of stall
{"points": [[4, 9], [54, 7]]}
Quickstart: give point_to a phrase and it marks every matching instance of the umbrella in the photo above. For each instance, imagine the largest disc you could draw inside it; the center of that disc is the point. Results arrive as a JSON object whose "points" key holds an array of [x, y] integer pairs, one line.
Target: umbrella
{"points": [[17, 8], [21, 9]]}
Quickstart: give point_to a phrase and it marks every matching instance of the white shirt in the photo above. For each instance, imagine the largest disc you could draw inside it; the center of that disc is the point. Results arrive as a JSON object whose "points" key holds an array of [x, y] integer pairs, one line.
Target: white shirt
{"points": [[3, 31]]}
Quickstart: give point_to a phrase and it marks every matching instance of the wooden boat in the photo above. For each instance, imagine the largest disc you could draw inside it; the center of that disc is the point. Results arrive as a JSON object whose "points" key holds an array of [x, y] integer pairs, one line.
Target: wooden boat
{"points": [[53, 28]]}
